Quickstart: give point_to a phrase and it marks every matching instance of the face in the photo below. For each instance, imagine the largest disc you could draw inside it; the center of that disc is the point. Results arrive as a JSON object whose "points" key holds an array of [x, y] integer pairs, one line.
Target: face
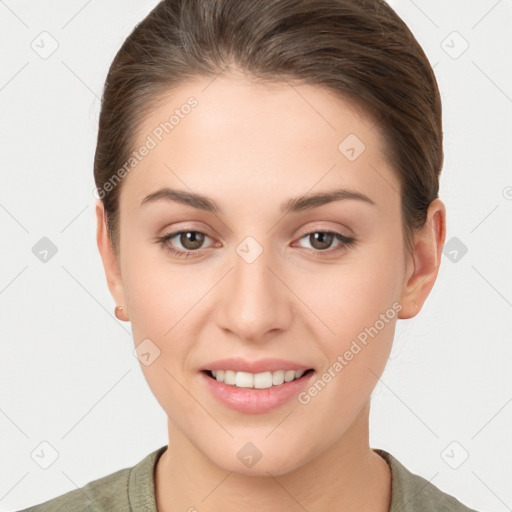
{"points": [[250, 272]]}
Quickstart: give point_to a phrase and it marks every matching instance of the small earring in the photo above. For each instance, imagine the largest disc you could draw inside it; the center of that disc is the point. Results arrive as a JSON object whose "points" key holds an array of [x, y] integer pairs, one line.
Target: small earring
{"points": [[117, 312]]}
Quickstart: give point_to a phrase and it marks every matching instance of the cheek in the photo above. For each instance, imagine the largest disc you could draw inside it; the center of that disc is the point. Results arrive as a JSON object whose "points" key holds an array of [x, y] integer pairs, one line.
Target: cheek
{"points": [[358, 305], [162, 302], [165, 304], [159, 293], [351, 296], [358, 308]]}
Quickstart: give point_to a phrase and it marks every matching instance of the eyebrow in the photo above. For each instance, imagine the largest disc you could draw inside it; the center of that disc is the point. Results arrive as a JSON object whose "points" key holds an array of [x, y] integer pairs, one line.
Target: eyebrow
{"points": [[296, 204]]}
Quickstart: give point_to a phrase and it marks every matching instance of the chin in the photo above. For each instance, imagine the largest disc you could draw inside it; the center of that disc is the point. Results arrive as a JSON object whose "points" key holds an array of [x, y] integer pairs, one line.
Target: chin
{"points": [[250, 461]]}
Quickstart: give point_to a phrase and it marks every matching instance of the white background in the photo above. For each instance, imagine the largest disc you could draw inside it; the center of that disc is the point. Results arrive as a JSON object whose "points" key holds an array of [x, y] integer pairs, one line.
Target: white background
{"points": [[67, 372]]}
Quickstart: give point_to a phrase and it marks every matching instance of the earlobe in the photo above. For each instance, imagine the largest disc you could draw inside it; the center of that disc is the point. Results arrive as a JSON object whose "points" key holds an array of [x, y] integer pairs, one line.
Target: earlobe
{"points": [[110, 262], [428, 247]]}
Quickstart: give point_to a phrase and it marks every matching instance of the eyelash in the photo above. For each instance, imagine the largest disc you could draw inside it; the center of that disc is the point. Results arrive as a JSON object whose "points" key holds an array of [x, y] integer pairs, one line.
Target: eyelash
{"points": [[346, 242]]}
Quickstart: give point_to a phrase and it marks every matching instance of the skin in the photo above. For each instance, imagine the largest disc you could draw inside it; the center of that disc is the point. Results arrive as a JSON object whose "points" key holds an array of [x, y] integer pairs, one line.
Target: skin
{"points": [[244, 142]]}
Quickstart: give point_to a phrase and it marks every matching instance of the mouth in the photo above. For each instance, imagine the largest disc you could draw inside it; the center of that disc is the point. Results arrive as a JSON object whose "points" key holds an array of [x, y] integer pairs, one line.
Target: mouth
{"points": [[262, 380], [255, 386], [256, 393]]}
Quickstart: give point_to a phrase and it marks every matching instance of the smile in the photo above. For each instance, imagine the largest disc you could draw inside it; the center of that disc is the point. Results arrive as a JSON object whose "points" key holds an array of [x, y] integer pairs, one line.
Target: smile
{"points": [[261, 380], [256, 393]]}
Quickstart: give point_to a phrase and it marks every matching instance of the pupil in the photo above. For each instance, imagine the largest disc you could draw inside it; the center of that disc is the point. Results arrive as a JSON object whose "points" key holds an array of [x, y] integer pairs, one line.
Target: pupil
{"points": [[192, 239], [324, 238]]}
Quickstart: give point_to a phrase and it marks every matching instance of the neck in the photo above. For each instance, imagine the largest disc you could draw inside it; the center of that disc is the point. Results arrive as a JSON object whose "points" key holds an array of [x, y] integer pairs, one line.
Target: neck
{"points": [[347, 476]]}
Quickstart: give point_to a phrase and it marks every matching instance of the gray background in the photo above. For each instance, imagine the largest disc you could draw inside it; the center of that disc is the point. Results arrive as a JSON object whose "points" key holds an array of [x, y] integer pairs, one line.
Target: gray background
{"points": [[68, 376]]}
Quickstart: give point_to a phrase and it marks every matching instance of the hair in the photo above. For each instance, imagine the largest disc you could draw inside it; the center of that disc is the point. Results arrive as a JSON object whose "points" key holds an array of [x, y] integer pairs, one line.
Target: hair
{"points": [[359, 49]]}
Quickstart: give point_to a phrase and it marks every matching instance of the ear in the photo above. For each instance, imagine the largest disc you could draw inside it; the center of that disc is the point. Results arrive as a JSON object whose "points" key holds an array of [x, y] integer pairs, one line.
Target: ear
{"points": [[423, 269], [110, 262]]}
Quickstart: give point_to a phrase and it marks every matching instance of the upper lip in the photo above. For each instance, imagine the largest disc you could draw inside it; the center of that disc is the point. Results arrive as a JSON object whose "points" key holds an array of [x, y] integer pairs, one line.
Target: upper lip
{"points": [[239, 364]]}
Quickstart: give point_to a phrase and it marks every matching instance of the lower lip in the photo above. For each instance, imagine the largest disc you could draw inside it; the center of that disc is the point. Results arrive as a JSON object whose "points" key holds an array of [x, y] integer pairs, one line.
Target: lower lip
{"points": [[255, 401]]}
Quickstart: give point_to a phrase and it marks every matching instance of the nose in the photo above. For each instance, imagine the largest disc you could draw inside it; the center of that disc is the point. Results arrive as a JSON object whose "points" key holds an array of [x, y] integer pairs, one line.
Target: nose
{"points": [[255, 301]]}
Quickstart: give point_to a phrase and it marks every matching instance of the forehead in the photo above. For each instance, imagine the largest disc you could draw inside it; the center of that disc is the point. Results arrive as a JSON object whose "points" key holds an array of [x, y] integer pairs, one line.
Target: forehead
{"points": [[279, 139]]}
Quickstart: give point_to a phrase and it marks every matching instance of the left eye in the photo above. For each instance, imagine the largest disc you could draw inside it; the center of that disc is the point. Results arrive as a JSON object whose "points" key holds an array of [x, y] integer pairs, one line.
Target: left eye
{"points": [[321, 241]]}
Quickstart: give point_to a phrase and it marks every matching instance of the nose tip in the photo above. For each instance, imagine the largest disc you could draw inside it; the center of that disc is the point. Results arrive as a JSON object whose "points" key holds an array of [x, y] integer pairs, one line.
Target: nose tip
{"points": [[254, 301]]}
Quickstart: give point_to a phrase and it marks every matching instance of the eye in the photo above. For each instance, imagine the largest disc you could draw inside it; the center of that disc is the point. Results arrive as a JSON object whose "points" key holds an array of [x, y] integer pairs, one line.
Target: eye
{"points": [[189, 240], [321, 241]]}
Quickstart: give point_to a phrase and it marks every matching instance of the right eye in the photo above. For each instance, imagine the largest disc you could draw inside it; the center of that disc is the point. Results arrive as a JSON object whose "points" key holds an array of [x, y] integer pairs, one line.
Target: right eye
{"points": [[190, 241]]}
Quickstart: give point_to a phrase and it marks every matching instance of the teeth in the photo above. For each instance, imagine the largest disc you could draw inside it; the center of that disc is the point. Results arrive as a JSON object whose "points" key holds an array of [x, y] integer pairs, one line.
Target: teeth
{"points": [[244, 380], [289, 376], [278, 377], [256, 380]]}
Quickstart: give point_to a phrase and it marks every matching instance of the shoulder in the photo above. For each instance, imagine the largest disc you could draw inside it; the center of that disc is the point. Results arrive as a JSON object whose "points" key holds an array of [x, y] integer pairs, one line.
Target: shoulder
{"points": [[107, 493], [116, 492], [413, 493]]}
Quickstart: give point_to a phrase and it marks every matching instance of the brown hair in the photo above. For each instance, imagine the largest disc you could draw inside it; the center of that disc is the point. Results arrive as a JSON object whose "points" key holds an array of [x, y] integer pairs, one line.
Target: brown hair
{"points": [[360, 49]]}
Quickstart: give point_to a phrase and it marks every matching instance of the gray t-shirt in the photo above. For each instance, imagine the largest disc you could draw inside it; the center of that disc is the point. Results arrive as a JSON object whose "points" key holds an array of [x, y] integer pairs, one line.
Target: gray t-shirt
{"points": [[133, 489]]}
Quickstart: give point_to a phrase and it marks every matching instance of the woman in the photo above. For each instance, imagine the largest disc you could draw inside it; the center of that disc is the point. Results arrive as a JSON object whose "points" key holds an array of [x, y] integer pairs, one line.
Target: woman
{"points": [[267, 177]]}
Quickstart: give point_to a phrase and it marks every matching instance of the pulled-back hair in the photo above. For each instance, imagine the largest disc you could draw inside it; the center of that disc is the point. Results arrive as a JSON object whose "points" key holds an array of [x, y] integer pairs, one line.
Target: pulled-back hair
{"points": [[360, 49]]}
